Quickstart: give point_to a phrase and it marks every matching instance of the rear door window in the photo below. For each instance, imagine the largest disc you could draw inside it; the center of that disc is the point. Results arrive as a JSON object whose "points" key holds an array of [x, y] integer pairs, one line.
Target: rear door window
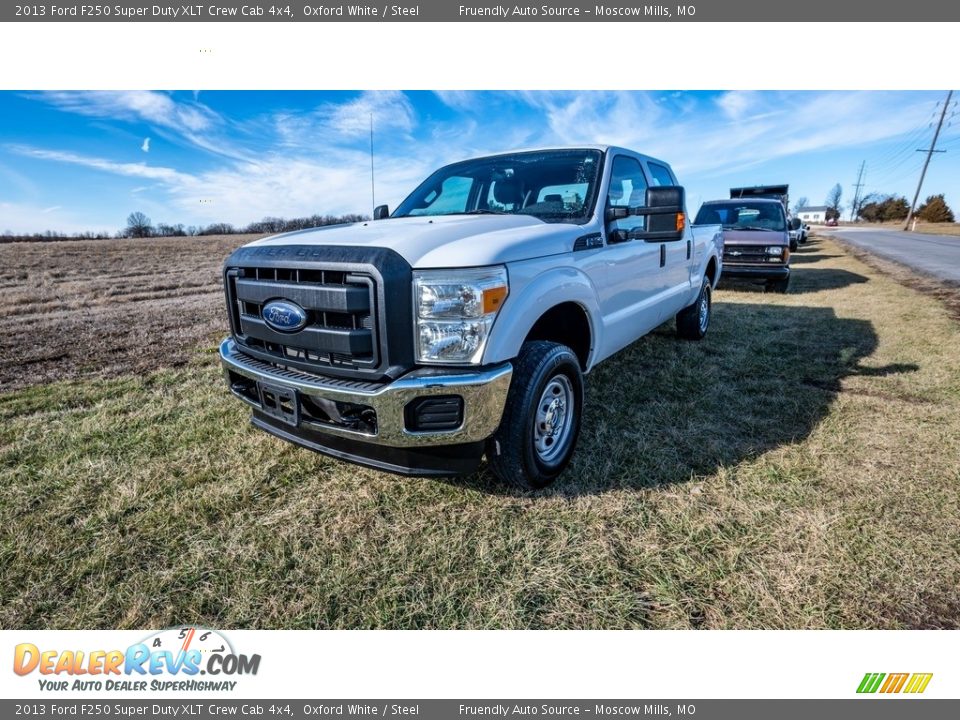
{"points": [[661, 175]]}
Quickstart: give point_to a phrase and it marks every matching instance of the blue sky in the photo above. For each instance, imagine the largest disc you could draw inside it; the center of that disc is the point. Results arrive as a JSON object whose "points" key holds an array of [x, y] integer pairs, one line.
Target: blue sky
{"points": [[76, 161]]}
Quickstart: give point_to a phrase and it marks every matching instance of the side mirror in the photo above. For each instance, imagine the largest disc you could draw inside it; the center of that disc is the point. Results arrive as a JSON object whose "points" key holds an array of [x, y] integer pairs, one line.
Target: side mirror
{"points": [[795, 224], [665, 212], [381, 212]]}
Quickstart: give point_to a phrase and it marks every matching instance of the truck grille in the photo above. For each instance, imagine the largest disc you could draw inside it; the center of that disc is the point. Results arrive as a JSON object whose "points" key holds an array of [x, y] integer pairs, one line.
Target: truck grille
{"points": [[351, 298], [341, 328], [748, 254]]}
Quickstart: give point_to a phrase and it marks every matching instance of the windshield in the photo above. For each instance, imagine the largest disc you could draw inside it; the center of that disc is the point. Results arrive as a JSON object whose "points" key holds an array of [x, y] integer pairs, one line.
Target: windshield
{"points": [[554, 186], [743, 215]]}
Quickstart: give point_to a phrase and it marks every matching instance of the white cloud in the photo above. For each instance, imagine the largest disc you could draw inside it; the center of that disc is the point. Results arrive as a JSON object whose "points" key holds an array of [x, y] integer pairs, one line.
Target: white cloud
{"points": [[146, 145], [752, 127], [316, 161], [390, 110], [140, 170], [191, 122], [336, 182], [157, 108], [735, 103], [462, 100]]}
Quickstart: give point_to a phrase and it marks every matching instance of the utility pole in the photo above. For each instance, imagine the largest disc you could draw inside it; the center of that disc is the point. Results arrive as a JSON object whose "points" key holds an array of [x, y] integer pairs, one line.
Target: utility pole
{"points": [[856, 194], [930, 151]]}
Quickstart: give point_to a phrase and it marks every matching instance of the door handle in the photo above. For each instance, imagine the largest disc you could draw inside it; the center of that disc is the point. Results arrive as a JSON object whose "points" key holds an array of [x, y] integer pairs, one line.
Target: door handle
{"points": [[663, 255]]}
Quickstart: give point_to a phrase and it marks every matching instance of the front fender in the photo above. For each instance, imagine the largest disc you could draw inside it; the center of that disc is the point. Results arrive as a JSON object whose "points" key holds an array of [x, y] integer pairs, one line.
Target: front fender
{"points": [[531, 295]]}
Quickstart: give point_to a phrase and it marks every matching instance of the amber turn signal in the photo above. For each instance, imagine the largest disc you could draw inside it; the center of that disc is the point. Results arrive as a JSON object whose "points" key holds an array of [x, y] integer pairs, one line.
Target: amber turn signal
{"points": [[493, 298]]}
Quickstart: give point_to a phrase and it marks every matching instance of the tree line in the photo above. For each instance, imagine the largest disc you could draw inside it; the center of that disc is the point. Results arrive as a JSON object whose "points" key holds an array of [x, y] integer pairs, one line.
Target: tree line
{"points": [[140, 226], [879, 207], [892, 207]]}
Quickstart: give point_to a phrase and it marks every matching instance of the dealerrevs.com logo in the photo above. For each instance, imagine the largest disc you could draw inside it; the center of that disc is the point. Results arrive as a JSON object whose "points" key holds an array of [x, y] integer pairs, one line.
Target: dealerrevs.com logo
{"points": [[172, 659]]}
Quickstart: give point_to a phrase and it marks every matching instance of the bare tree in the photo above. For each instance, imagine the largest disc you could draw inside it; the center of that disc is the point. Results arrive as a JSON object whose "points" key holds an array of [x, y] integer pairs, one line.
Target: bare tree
{"points": [[834, 208], [138, 225], [867, 199], [800, 205]]}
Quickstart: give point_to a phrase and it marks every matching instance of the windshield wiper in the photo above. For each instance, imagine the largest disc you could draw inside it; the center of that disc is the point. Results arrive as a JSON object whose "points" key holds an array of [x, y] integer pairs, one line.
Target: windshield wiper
{"points": [[751, 227]]}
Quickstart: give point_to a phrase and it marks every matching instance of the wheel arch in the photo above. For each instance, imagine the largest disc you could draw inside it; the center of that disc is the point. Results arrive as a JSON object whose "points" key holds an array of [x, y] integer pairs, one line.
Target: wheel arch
{"points": [[558, 306]]}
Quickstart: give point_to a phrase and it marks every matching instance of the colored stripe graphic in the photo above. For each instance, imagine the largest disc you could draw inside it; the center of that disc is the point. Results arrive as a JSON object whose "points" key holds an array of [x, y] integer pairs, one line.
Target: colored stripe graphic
{"points": [[918, 683], [870, 682], [894, 683]]}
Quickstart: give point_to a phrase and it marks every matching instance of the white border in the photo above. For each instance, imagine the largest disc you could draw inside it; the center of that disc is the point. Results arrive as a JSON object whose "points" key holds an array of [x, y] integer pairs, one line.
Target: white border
{"points": [[440, 56], [762, 664], [517, 664]]}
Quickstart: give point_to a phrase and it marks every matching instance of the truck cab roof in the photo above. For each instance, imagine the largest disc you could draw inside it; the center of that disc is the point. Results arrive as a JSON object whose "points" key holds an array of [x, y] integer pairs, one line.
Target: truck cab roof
{"points": [[606, 149]]}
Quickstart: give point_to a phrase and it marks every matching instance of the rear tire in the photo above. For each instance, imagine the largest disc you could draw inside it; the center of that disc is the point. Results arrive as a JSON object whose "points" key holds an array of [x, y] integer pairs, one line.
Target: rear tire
{"points": [[541, 420], [778, 286], [694, 320]]}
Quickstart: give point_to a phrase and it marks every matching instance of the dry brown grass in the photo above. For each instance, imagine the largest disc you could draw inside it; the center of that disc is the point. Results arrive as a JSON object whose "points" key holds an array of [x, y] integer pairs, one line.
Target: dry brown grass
{"points": [[102, 308], [945, 291], [800, 468]]}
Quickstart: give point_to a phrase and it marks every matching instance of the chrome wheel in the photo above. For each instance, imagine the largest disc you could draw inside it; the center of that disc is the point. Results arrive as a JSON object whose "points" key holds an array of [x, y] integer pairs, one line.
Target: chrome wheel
{"points": [[554, 422], [703, 312]]}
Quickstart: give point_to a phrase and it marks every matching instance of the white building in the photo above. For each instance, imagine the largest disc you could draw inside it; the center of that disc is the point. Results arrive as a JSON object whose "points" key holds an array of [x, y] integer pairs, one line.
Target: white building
{"points": [[813, 214]]}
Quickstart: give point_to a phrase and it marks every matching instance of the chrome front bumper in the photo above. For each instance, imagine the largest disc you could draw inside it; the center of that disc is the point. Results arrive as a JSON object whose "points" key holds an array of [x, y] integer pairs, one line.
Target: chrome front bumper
{"points": [[484, 393]]}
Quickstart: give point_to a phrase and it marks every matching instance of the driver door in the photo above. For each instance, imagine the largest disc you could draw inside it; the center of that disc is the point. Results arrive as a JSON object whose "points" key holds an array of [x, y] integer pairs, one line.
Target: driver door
{"points": [[633, 278]]}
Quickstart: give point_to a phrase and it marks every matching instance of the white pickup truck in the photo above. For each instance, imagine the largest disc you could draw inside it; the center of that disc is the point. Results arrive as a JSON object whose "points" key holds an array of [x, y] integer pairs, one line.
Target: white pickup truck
{"points": [[462, 323]]}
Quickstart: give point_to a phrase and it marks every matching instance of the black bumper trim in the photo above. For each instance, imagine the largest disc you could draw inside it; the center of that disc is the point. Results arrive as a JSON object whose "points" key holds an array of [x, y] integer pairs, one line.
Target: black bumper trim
{"points": [[757, 272], [437, 461]]}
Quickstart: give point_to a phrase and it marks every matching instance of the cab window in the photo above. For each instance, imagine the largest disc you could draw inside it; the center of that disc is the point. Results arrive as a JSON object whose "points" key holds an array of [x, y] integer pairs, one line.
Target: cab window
{"points": [[660, 174], [628, 188]]}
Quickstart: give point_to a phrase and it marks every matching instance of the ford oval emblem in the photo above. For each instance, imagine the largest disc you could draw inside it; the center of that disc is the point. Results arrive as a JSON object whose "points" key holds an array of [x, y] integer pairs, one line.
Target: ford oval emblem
{"points": [[284, 316]]}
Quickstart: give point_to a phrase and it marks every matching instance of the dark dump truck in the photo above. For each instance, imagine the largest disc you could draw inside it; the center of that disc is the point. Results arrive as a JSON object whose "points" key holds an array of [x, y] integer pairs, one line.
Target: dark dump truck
{"points": [[770, 192]]}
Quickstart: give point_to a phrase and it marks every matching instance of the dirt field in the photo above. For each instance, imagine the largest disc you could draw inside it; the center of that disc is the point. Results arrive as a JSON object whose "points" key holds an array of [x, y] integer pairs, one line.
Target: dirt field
{"points": [[799, 468], [102, 308]]}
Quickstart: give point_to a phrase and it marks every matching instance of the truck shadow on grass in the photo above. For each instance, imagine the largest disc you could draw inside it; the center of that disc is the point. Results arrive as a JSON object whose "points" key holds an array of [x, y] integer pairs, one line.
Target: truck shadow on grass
{"points": [[807, 280], [663, 411]]}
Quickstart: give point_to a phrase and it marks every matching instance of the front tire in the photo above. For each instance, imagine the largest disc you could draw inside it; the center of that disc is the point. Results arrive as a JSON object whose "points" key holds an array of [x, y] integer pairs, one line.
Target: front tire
{"points": [[541, 420], [694, 320]]}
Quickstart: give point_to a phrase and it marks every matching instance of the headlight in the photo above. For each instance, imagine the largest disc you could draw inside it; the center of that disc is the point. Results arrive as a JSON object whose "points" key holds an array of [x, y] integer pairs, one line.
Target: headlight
{"points": [[775, 250], [455, 310]]}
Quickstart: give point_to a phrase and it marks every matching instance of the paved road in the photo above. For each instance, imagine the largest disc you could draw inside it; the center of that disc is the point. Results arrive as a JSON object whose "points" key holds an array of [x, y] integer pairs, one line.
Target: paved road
{"points": [[937, 255]]}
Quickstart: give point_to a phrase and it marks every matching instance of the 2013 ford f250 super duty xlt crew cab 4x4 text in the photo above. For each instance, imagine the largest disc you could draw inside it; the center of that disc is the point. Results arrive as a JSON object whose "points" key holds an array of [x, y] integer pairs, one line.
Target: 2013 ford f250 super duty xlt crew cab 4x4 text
{"points": [[463, 322]]}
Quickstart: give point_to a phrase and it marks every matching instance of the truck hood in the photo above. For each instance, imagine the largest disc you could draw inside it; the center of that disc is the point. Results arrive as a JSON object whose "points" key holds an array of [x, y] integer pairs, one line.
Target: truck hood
{"points": [[446, 241], [755, 237]]}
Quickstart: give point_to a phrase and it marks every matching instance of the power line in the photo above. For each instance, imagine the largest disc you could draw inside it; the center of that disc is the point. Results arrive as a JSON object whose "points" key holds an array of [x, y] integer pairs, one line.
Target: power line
{"points": [[895, 158], [906, 148], [895, 174], [933, 145]]}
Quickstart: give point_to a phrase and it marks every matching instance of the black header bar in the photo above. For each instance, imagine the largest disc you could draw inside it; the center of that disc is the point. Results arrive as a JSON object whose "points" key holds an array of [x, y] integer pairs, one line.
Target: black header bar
{"points": [[823, 15]]}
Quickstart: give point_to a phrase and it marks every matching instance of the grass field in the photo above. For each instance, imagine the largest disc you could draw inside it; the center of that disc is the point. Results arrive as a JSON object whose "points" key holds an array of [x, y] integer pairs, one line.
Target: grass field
{"points": [[800, 468]]}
